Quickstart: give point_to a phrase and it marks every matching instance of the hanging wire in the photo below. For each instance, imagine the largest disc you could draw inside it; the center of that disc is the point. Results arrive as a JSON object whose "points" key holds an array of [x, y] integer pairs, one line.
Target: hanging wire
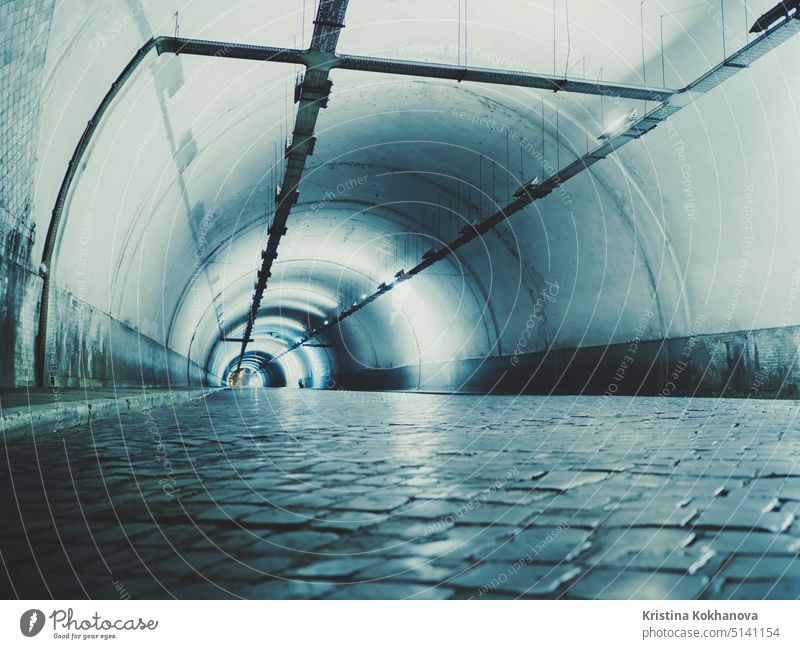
{"points": [[438, 219], [466, 32], [469, 198], [480, 186], [641, 30], [554, 37], [558, 142], [569, 40], [542, 154], [586, 135], [746, 24], [602, 103], [494, 194], [458, 202], [508, 171], [458, 52]]}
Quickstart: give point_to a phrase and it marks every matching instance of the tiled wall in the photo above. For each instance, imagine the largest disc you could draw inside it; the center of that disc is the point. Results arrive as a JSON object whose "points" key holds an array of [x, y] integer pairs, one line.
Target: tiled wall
{"points": [[87, 347], [24, 30]]}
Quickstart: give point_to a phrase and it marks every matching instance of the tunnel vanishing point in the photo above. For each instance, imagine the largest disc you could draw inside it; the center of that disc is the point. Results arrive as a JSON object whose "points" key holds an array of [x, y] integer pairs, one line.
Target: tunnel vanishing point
{"points": [[394, 205]]}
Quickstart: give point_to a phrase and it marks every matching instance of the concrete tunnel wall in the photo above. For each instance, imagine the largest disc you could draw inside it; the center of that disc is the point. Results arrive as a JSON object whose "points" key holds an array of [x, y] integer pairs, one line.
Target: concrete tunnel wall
{"points": [[682, 243]]}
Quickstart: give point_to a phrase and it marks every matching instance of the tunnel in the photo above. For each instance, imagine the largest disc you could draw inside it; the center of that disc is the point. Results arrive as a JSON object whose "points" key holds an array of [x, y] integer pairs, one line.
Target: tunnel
{"points": [[151, 261], [426, 281]]}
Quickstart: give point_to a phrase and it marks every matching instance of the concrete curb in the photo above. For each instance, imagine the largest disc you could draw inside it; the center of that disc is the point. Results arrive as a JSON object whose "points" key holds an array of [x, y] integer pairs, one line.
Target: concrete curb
{"points": [[19, 423]]}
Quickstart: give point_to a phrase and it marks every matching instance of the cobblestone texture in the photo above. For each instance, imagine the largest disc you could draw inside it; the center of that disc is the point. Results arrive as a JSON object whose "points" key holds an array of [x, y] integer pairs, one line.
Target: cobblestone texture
{"points": [[306, 494]]}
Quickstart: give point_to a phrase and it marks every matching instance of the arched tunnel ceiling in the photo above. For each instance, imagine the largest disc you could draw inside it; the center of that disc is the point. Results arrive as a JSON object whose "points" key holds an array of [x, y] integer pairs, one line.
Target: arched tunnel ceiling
{"points": [[180, 180]]}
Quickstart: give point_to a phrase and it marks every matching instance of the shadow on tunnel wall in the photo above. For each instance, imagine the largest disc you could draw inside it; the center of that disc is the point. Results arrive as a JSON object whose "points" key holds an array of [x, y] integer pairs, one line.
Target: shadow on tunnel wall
{"points": [[86, 347], [90, 348], [747, 364]]}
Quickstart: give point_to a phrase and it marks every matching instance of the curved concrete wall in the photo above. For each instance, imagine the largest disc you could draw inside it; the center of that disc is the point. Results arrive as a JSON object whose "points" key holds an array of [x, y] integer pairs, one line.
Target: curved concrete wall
{"points": [[686, 233]]}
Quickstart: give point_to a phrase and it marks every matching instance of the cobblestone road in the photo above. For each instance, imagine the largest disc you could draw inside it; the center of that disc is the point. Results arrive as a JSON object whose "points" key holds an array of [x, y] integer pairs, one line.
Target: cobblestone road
{"points": [[299, 493]]}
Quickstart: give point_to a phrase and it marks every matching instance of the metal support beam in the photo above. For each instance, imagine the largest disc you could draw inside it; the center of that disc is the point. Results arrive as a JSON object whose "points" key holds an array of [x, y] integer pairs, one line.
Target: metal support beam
{"points": [[781, 10], [225, 50], [61, 199], [312, 96], [313, 59], [533, 190], [503, 77]]}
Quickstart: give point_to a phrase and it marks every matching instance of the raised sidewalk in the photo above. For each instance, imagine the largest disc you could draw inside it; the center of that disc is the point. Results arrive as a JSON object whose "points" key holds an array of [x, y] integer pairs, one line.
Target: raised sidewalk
{"points": [[27, 411]]}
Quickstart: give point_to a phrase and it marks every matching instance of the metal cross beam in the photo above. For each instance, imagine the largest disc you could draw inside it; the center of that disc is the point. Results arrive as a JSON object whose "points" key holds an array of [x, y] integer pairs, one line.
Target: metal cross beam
{"points": [[532, 191], [311, 95], [311, 59]]}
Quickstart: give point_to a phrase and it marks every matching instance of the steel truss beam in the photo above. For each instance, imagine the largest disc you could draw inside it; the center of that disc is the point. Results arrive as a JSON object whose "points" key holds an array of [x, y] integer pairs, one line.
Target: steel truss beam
{"points": [[531, 192], [311, 95], [311, 59]]}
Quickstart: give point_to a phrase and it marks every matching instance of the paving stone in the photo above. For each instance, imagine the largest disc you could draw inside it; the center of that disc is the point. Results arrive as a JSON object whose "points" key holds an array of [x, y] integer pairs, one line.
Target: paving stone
{"points": [[517, 579], [758, 543], [273, 517], [377, 503], [783, 488], [346, 520], [771, 589], [653, 513], [386, 590], [486, 514], [413, 569], [587, 519], [653, 555], [607, 583], [540, 544], [304, 541], [654, 548], [434, 592], [431, 509], [763, 567], [413, 529], [264, 565], [780, 467], [312, 501], [451, 548], [745, 514], [285, 589], [225, 513], [334, 567], [564, 480]]}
